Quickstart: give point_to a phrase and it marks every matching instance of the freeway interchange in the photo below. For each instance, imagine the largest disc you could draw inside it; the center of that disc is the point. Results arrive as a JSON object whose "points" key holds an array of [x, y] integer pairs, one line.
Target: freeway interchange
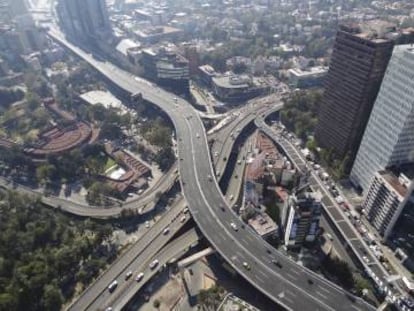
{"points": [[288, 284]]}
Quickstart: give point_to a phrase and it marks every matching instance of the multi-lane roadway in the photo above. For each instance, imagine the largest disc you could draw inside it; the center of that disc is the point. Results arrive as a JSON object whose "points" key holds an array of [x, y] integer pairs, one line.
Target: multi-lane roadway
{"points": [[355, 242], [97, 294], [292, 286]]}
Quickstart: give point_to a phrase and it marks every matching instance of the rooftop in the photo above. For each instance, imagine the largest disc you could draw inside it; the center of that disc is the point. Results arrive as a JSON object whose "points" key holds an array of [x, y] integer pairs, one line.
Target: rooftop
{"points": [[232, 81], [312, 71], [394, 182], [101, 97], [263, 224]]}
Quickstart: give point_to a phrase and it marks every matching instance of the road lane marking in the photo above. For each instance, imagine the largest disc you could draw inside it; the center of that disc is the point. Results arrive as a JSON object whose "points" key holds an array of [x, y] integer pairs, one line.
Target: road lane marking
{"points": [[324, 289], [295, 271], [320, 294], [291, 276]]}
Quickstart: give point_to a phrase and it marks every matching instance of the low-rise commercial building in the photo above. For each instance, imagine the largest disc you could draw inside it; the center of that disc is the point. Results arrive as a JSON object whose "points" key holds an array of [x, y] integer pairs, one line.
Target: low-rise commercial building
{"points": [[310, 77], [263, 225], [233, 88], [207, 73]]}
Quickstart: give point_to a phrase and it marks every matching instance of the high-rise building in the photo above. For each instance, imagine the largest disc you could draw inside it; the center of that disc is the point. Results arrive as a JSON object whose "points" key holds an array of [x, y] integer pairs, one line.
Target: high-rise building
{"points": [[18, 7], [300, 218], [359, 59], [85, 20], [386, 198], [11, 8], [389, 136]]}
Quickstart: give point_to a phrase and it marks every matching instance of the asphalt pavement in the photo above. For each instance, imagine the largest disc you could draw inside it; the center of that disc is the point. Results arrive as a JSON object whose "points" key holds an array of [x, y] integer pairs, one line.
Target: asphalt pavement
{"points": [[292, 286]]}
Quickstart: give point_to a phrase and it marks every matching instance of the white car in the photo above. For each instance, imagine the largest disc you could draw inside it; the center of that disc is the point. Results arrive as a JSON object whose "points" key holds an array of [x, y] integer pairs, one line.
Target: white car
{"points": [[128, 275], [112, 286], [234, 226], [139, 276], [166, 231], [182, 219], [154, 263], [198, 135], [147, 224]]}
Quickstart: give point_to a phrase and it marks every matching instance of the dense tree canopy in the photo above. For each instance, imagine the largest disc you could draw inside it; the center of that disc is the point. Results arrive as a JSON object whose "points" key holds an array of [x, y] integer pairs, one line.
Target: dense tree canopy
{"points": [[44, 254]]}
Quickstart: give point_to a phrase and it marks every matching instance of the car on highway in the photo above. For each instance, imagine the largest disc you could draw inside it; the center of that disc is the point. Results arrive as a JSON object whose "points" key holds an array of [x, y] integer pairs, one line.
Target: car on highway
{"points": [[231, 197], [246, 265], [128, 275], [186, 210], [234, 226], [310, 281], [198, 135], [276, 263], [147, 224], [113, 286], [182, 219], [209, 177], [166, 231], [109, 309], [154, 263], [139, 276]]}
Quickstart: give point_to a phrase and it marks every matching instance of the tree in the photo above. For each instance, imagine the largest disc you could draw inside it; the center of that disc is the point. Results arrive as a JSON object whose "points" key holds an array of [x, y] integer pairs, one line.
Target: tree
{"points": [[156, 304], [45, 173], [211, 298], [52, 298], [165, 158], [44, 253], [340, 269]]}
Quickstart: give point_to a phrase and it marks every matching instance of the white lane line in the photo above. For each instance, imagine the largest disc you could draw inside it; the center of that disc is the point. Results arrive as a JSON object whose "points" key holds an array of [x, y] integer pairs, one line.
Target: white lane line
{"points": [[291, 276], [288, 299], [226, 230], [262, 273], [324, 289], [239, 254], [320, 294], [290, 293]]}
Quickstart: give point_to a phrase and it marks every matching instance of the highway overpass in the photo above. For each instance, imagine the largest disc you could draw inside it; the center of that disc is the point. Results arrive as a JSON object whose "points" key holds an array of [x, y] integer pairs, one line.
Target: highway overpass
{"points": [[292, 286]]}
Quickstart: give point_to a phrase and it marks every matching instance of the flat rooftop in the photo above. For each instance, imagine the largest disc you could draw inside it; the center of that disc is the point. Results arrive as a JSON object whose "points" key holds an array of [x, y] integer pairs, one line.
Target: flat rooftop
{"points": [[263, 224], [394, 182], [312, 71], [102, 97]]}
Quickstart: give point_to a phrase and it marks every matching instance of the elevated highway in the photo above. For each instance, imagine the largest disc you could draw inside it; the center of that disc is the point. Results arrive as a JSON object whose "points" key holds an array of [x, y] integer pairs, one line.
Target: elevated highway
{"points": [[97, 294], [350, 235], [292, 286]]}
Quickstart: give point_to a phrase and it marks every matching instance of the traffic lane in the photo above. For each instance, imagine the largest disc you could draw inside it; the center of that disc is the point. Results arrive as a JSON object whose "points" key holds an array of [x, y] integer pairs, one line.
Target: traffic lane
{"points": [[200, 154], [336, 215], [170, 251], [138, 263], [119, 267], [256, 246], [344, 224]]}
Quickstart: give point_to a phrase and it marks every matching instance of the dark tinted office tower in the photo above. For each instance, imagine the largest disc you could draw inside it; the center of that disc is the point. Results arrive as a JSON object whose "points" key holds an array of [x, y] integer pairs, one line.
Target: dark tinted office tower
{"points": [[85, 20], [359, 59]]}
